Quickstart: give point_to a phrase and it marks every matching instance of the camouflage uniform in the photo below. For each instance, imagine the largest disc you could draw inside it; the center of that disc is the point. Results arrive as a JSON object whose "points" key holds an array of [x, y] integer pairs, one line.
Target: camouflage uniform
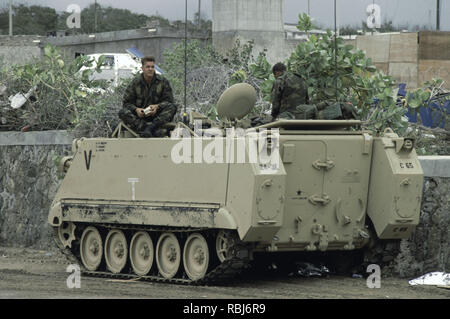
{"points": [[290, 98], [332, 110], [139, 94]]}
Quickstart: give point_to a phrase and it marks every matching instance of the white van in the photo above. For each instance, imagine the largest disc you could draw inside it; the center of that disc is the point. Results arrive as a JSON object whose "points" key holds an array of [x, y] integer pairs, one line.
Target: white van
{"points": [[117, 66]]}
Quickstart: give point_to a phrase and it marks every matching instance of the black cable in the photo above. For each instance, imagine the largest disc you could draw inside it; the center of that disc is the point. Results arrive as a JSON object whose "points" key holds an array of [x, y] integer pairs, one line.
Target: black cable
{"points": [[335, 50], [185, 61]]}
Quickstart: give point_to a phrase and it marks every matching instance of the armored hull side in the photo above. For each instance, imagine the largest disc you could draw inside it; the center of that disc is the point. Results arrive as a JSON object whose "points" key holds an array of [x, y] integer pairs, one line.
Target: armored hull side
{"points": [[157, 209]]}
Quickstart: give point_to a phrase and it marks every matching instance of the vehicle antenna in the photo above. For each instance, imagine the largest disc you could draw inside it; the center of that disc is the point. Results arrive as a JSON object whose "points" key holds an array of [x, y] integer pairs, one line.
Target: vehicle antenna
{"points": [[185, 117], [335, 51]]}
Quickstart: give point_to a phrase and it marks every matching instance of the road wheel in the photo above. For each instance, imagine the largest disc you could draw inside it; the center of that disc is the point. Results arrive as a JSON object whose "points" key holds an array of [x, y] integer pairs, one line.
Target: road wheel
{"points": [[196, 256], [168, 255], [91, 248], [141, 253], [116, 251]]}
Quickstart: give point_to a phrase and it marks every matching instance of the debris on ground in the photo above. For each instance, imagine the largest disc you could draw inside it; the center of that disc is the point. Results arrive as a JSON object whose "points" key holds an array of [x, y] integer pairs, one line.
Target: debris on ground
{"points": [[437, 278], [20, 99], [305, 269]]}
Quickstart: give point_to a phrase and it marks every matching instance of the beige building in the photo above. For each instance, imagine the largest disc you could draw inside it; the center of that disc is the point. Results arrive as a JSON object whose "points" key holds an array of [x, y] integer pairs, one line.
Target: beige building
{"points": [[260, 21], [410, 58]]}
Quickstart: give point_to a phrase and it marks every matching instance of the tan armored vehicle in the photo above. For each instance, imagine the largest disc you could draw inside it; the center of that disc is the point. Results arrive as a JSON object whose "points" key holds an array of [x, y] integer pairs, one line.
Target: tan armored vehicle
{"points": [[196, 208]]}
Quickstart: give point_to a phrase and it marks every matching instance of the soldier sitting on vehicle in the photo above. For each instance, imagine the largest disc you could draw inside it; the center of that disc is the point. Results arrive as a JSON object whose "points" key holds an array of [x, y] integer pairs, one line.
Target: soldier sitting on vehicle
{"points": [[290, 100], [148, 102], [290, 96]]}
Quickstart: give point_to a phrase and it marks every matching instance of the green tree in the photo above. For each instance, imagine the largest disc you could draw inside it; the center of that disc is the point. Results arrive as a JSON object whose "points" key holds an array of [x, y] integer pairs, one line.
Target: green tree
{"points": [[29, 20], [209, 74], [110, 19], [347, 75], [304, 22]]}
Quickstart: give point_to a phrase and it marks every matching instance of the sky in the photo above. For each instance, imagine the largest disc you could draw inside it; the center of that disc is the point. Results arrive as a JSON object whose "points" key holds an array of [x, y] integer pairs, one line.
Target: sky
{"points": [[349, 12]]}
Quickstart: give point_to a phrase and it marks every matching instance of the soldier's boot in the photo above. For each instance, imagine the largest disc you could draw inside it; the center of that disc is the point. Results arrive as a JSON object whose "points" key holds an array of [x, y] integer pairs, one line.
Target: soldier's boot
{"points": [[148, 130], [160, 132], [132, 120]]}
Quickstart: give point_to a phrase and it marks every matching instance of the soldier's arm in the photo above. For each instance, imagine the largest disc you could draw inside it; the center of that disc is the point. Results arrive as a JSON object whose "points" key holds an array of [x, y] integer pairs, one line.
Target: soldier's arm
{"points": [[276, 99], [166, 95], [129, 98], [305, 87]]}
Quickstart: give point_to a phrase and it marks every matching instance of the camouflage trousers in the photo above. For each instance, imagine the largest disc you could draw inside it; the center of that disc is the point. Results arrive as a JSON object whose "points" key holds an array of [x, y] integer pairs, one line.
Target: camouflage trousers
{"points": [[312, 112], [300, 112], [138, 124]]}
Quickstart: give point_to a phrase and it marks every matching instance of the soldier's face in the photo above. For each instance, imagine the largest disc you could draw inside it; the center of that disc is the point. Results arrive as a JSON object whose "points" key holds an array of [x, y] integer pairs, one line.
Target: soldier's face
{"points": [[277, 74], [148, 69]]}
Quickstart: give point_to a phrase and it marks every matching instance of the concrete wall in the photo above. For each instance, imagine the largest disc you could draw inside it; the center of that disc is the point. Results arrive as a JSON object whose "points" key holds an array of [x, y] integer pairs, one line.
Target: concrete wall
{"points": [[394, 54], [434, 56], [150, 41], [273, 42], [434, 45], [410, 58], [260, 21], [247, 15], [20, 49], [28, 183]]}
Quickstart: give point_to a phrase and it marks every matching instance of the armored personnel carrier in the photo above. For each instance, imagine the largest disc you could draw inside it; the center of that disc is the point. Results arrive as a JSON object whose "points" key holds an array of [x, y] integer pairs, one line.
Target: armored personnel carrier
{"points": [[197, 207]]}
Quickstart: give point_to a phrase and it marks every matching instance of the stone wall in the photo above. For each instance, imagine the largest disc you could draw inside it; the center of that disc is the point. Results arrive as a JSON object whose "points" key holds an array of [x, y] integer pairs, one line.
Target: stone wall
{"points": [[428, 248], [28, 183]]}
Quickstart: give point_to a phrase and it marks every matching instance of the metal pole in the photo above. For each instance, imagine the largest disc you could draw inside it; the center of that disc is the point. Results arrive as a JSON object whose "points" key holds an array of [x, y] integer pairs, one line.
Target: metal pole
{"points": [[10, 18], [373, 3], [337, 22], [309, 11], [438, 15], [95, 16], [199, 7]]}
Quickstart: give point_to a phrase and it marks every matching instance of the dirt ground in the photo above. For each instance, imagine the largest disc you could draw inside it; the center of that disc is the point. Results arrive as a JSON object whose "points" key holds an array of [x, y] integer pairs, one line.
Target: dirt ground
{"points": [[27, 273]]}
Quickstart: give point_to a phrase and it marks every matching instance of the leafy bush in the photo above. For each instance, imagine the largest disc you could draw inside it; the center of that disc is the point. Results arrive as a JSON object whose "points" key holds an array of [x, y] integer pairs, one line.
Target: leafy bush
{"points": [[209, 74], [429, 141], [334, 71], [65, 97]]}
